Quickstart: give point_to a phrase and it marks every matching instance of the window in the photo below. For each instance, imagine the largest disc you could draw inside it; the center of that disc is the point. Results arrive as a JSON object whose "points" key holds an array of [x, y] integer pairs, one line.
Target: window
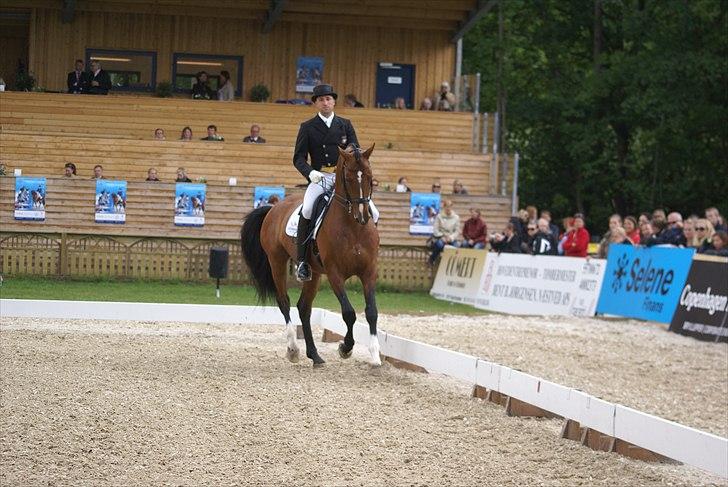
{"points": [[128, 70], [186, 66]]}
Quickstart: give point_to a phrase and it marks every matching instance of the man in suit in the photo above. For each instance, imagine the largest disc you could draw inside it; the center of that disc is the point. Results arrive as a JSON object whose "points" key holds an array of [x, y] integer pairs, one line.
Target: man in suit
{"points": [[76, 80], [254, 137], [99, 81]]}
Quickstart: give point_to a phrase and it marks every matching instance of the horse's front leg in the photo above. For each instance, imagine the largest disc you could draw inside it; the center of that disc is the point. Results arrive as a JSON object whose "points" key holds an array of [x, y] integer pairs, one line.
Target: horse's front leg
{"points": [[347, 312], [305, 301], [369, 284]]}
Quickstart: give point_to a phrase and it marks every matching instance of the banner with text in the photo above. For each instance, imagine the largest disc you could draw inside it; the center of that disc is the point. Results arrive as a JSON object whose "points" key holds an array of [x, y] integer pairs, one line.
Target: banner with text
{"points": [[702, 311], [189, 204], [459, 274], [540, 284], [30, 195], [110, 206], [644, 282], [424, 208]]}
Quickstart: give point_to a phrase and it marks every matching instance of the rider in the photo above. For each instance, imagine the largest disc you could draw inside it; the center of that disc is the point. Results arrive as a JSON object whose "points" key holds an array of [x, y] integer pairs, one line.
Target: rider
{"points": [[319, 138]]}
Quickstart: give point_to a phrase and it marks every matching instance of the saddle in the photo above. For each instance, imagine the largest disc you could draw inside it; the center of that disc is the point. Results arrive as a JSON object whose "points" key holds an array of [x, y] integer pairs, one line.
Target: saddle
{"points": [[320, 208]]}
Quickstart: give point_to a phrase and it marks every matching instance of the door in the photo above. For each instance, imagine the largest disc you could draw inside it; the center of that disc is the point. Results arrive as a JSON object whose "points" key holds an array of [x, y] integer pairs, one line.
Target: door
{"points": [[394, 81]]}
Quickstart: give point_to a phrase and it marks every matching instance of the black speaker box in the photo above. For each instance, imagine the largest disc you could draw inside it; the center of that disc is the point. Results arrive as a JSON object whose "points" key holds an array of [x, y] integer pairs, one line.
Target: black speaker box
{"points": [[218, 262]]}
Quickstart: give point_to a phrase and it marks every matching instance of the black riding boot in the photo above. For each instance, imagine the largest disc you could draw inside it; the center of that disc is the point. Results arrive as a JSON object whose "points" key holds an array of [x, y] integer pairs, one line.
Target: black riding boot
{"points": [[303, 269]]}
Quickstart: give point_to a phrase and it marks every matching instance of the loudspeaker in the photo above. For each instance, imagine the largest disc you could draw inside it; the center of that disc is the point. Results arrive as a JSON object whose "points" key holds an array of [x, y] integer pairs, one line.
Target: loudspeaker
{"points": [[218, 262]]}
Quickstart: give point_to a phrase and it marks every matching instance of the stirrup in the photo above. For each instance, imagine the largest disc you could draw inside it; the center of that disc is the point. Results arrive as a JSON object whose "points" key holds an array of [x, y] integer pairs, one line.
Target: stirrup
{"points": [[303, 272]]}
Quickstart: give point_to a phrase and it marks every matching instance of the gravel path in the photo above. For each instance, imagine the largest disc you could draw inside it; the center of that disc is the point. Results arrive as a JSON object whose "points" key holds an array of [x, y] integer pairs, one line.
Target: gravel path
{"points": [[124, 403]]}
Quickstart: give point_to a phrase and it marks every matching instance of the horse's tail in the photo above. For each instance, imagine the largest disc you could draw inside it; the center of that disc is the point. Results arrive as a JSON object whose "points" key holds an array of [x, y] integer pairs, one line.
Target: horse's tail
{"points": [[255, 256]]}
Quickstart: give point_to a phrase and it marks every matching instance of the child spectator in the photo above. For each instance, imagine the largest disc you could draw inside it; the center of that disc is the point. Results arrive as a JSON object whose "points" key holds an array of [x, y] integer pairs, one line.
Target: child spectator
{"points": [[577, 240], [186, 134], [474, 231]]}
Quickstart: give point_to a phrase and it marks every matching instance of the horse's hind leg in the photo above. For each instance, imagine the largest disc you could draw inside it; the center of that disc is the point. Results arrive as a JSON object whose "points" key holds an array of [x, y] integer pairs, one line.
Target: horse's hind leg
{"points": [[278, 266], [369, 283], [310, 288], [347, 312]]}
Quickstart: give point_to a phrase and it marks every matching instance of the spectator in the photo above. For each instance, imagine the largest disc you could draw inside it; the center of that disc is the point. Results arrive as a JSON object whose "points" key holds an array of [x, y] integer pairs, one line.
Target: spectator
{"points": [[544, 242], [212, 134], [553, 228], [719, 244], [659, 215], [657, 230], [436, 186], [351, 101], [201, 90], [399, 103], [667, 232], [507, 242], [446, 230], [458, 188], [704, 231], [531, 231], [273, 199], [186, 134], [617, 237], [577, 240], [254, 137], [568, 224], [182, 176], [226, 90], [402, 186], [715, 218], [426, 104], [98, 172], [152, 174], [99, 81], [630, 227], [646, 231], [76, 80], [644, 218], [532, 213], [159, 134], [689, 232], [444, 99], [615, 221], [521, 225], [375, 185], [69, 170], [474, 231]]}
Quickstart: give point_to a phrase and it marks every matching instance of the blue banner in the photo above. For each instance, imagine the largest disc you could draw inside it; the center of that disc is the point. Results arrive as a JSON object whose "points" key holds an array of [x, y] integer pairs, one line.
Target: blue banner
{"points": [[424, 207], [30, 194], [189, 204], [268, 195], [309, 73], [110, 201], [644, 282]]}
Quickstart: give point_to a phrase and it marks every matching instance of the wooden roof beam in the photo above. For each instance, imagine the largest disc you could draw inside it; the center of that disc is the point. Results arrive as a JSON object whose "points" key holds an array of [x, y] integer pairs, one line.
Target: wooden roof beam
{"points": [[483, 8], [274, 13]]}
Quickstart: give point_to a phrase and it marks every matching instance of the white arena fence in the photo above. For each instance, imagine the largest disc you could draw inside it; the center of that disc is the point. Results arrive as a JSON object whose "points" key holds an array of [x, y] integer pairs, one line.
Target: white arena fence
{"points": [[684, 444]]}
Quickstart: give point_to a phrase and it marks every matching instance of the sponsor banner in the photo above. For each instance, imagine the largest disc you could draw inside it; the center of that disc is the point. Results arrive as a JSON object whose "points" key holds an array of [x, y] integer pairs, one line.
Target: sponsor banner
{"points": [[424, 207], [459, 274], [267, 195], [540, 284], [309, 73], [644, 282], [30, 195], [189, 204], [702, 310], [110, 201]]}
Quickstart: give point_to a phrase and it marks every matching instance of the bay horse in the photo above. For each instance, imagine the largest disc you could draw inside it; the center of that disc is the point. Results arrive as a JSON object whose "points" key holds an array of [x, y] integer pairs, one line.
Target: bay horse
{"points": [[348, 245]]}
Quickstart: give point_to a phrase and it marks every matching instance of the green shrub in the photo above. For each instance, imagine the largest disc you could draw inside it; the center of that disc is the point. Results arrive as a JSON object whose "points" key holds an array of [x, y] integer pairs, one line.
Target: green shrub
{"points": [[164, 89], [259, 92]]}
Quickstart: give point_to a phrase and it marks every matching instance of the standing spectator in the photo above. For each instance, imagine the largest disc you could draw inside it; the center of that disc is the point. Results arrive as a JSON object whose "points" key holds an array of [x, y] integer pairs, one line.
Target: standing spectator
{"points": [[553, 228], [507, 242], [615, 221], [351, 101], [402, 186], [426, 104], [446, 230], [254, 137], [632, 230], [182, 176], [659, 215], [152, 174], [577, 240], [657, 231], [474, 231], [715, 218], [69, 170], [99, 81], [436, 186], [458, 188], [689, 232], [667, 232], [399, 103], [226, 90], [644, 218], [531, 231], [544, 242], [159, 134], [532, 213], [704, 231], [98, 172], [568, 224], [445, 99], [618, 236], [76, 80], [646, 231], [201, 90], [521, 224], [186, 135], [719, 244], [212, 134]]}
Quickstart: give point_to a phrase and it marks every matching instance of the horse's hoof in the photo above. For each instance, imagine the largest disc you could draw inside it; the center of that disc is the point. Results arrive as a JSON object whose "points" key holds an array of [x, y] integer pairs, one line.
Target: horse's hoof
{"points": [[376, 363], [292, 355], [342, 351], [317, 361]]}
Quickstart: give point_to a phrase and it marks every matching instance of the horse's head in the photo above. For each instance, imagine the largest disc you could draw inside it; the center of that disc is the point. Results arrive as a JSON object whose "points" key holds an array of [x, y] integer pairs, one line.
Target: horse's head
{"points": [[354, 176]]}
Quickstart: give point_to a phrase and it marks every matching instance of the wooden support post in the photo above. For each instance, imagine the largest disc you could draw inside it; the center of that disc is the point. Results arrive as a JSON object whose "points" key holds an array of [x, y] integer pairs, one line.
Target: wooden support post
{"points": [[63, 264], [497, 397], [597, 441], [515, 407], [638, 453], [572, 430], [331, 337], [480, 392], [400, 364]]}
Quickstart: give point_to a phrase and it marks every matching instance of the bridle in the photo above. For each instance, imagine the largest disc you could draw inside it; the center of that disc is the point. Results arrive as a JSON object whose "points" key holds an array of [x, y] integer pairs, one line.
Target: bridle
{"points": [[348, 202]]}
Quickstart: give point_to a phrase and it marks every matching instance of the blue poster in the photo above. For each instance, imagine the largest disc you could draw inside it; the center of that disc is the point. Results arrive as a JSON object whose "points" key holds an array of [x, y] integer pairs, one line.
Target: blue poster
{"points": [[424, 207], [110, 201], [309, 73], [30, 194], [189, 204], [644, 282], [267, 195]]}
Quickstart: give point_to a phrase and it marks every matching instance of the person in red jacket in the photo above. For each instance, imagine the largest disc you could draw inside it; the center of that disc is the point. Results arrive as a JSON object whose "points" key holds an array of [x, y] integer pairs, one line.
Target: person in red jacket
{"points": [[474, 231], [577, 240]]}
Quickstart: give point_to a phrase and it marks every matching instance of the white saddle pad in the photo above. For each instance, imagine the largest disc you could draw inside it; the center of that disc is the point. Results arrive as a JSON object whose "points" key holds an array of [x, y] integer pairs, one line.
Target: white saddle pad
{"points": [[292, 225]]}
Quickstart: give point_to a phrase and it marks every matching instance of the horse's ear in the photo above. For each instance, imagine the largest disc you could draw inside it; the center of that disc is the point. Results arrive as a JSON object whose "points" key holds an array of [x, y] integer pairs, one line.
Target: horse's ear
{"points": [[342, 152], [369, 151]]}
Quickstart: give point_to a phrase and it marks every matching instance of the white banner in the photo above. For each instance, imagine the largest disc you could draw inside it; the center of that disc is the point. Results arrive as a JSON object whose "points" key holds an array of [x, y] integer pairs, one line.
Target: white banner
{"points": [[540, 284], [459, 275]]}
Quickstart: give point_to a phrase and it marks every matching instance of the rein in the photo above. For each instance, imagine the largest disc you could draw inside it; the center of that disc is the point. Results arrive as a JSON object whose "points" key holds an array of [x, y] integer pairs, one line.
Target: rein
{"points": [[348, 202]]}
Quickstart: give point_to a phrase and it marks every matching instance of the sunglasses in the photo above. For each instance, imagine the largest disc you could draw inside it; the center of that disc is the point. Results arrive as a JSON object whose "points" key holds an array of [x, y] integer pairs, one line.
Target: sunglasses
{"points": [[438, 186], [672, 223], [700, 229], [531, 229]]}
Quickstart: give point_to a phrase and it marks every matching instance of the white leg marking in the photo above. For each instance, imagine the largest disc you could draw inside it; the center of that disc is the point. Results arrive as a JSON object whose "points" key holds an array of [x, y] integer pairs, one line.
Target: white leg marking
{"points": [[292, 351], [374, 350]]}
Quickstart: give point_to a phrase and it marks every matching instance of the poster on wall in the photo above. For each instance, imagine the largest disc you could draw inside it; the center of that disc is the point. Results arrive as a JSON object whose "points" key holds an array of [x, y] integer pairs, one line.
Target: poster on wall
{"points": [[110, 201], [30, 194], [189, 204], [267, 195], [424, 208], [309, 73]]}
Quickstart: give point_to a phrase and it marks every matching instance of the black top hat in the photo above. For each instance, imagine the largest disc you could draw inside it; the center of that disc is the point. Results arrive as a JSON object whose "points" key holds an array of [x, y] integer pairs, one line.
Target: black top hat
{"points": [[323, 90]]}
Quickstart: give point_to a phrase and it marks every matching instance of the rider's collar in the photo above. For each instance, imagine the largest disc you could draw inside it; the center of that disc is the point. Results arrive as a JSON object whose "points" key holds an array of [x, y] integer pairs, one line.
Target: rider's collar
{"points": [[328, 120]]}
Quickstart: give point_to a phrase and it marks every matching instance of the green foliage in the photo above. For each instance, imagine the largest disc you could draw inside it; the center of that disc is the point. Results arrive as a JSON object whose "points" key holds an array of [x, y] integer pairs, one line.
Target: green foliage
{"points": [[625, 121], [24, 81], [259, 92], [164, 89]]}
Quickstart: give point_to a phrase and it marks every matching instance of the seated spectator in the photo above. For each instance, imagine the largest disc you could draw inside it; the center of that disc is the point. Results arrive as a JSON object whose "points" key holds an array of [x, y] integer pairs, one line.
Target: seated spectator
{"points": [[458, 188], [668, 232], [254, 137], [630, 227], [615, 221], [69, 170], [351, 101], [544, 242], [226, 90], [713, 215], [719, 244], [659, 215], [186, 134], [474, 231], [568, 225], [212, 134], [426, 104], [159, 134], [507, 242], [445, 231], [691, 239], [98, 172], [98, 80], [77, 79], [577, 240], [553, 228], [402, 186], [375, 185], [436, 186], [201, 90], [444, 99], [182, 176], [704, 231], [399, 103], [152, 174]]}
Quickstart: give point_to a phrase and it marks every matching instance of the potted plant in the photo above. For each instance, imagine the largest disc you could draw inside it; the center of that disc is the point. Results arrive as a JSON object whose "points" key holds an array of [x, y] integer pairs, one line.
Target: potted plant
{"points": [[164, 89], [24, 81], [259, 93]]}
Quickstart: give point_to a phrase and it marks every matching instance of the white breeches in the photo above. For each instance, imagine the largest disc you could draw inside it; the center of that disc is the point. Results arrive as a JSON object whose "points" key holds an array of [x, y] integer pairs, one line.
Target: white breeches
{"points": [[314, 190]]}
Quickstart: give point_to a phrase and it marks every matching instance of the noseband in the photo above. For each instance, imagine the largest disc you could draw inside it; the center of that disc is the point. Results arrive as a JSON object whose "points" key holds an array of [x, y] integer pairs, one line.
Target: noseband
{"points": [[349, 202]]}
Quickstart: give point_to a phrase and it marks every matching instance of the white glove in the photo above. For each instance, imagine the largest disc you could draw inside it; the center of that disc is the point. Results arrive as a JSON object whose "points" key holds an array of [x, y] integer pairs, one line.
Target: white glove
{"points": [[315, 176]]}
